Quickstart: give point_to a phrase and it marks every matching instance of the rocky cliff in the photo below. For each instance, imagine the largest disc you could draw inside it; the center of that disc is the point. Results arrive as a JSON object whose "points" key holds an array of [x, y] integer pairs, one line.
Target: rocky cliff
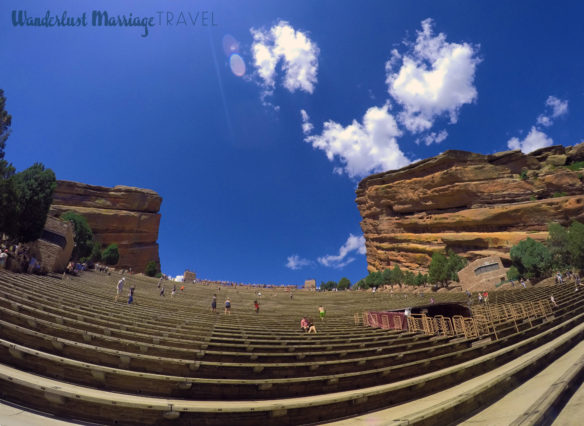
{"points": [[123, 215], [474, 204]]}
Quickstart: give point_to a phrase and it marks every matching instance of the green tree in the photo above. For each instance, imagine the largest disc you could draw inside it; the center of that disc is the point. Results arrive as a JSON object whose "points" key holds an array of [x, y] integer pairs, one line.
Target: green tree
{"points": [[344, 284], [6, 169], [397, 276], [329, 285], [34, 187], [110, 255], [531, 258], [513, 273], [438, 270], [445, 268], [95, 255], [409, 278], [576, 244], [362, 283], [374, 279], [558, 243], [8, 196], [83, 235], [387, 276], [420, 279], [151, 268], [455, 264]]}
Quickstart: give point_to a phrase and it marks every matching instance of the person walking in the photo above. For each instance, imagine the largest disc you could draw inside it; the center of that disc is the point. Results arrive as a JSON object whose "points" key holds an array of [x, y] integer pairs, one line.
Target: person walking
{"points": [[120, 288], [256, 306], [227, 306], [214, 303], [321, 312]]}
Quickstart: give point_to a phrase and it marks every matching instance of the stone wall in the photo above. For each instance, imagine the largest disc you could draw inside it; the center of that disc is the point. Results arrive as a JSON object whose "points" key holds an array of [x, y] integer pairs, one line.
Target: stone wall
{"points": [[477, 205], [122, 215], [53, 250], [483, 274]]}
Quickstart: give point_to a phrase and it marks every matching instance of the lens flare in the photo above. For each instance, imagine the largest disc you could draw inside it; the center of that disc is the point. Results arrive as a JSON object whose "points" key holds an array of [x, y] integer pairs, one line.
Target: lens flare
{"points": [[237, 65], [230, 45]]}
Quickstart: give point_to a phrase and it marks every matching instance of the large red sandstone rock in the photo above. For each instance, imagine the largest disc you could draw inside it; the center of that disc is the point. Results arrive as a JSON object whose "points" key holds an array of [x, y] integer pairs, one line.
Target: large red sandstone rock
{"points": [[477, 205], [123, 215]]}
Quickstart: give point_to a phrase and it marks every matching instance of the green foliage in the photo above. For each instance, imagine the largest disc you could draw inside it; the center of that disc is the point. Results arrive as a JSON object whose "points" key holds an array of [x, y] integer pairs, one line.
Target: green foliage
{"points": [[576, 166], [25, 197], [533, 198], [566, 245], [397, 276], [438, 271], [329, 285], [532, 259], [8, 207], [344, 284], [445, 268], [409, 278], [557, 243], [513, 273], [374, 279], [95, 255], [361, 284], [151, 268], [34, 187], [559, 194], [421, 279], [83, 235], [576, 244], [8, 196], [110, 254], [387, 276], [523, 175], [5, 123], [158, 275]]}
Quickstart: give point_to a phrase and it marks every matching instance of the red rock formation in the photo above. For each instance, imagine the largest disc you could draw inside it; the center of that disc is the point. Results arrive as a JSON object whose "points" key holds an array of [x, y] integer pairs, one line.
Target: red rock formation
{"points": [[123, 215], [478, 205]]}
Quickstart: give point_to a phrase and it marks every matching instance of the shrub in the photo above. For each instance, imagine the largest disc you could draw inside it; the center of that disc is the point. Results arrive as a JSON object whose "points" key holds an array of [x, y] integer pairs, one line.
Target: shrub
{"points": [[151, 268], [344, 284], [83, 235], [531, 258], [513, 273], [110, 255], [523, 175], [576, 166]]}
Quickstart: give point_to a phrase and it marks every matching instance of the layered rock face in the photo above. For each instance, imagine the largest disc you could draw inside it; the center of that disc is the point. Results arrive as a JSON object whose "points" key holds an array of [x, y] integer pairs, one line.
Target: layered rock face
{"points": [[122, 215], [477, 205]]}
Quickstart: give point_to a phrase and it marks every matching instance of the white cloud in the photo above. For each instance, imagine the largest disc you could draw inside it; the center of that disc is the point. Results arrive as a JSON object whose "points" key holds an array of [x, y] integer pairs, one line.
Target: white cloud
{"points": [[365, 147], [435, 78], [353, 243], [306, 124], [296, 262], [433, 137], [554, 108], [293, 49], [534, 140]]}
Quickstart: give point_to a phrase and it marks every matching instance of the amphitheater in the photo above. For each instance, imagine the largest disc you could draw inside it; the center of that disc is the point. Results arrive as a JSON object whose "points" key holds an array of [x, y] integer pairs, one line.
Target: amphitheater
{"points": [[70, 354]]}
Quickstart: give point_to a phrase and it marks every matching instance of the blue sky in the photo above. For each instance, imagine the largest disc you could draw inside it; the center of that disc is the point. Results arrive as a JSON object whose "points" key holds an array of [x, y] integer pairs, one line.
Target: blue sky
{"points": [[258, 169]]}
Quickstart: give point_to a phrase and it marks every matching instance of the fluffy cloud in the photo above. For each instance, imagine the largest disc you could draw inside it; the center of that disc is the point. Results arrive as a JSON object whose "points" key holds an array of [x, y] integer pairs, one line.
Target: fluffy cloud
{"points": [[296, 262], [353, 244], [433, 137], [362, 148], [435, 78], [534, 140], [306, 124], [554, 108], [293, 49]]}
